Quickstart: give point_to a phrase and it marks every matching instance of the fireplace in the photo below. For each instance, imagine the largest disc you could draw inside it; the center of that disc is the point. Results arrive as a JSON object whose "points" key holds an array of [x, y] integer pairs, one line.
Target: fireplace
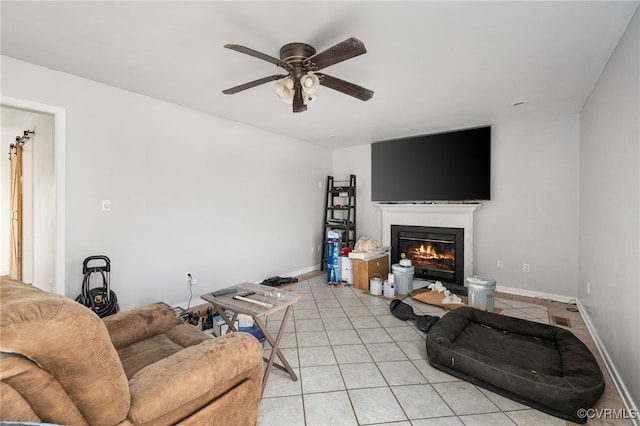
{"points": [[442, 215], [437, 253]]}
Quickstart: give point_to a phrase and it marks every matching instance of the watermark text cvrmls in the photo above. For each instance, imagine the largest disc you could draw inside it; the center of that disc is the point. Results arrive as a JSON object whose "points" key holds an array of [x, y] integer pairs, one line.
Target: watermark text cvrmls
{"points": [[608, 413]]}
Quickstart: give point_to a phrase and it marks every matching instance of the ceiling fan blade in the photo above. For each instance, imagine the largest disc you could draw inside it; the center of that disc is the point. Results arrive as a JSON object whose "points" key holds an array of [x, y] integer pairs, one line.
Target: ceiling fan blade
{"points": [[298, 102], [345, 87], [259, 55], [340, 52], [254, 83]]}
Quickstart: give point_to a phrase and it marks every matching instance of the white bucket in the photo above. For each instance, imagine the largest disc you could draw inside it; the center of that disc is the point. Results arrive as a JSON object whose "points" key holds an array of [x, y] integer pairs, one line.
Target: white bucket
{"points": [[482, 292], [389, 289], [375, 285]]}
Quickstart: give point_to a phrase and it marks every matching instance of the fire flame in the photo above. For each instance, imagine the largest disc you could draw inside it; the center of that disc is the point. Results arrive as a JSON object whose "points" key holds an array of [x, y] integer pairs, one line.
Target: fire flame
{"points": [[429, 252]]}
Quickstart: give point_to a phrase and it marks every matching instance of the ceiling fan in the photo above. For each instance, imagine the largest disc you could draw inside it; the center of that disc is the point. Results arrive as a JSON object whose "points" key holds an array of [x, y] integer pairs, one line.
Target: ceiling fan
{"points": [[302, 63]]}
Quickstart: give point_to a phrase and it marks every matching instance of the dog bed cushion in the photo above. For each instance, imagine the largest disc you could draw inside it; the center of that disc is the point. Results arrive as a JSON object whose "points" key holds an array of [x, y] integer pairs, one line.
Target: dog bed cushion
{"points": [[542, 366]]}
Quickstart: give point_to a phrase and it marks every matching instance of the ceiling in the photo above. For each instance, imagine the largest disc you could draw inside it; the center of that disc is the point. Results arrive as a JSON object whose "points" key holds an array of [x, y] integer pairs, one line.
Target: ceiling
{"points": [[433, 66]]}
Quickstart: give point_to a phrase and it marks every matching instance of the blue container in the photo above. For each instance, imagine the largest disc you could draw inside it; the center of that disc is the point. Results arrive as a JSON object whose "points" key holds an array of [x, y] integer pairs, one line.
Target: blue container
{"points": [[253, 330]]}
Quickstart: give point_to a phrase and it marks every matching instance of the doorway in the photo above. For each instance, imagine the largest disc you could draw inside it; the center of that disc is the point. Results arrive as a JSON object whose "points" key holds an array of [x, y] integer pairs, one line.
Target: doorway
{"points": [[42, 251]]}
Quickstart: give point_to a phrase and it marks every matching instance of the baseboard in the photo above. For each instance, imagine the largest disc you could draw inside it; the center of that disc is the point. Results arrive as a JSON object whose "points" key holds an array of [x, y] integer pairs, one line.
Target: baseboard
{"points": [[303, 271], [534, 294], [613, 372]]}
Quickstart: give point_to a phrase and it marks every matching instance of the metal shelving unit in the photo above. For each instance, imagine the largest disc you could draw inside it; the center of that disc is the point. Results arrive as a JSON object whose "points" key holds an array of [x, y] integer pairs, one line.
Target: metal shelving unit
{"points": [[340, 212]]}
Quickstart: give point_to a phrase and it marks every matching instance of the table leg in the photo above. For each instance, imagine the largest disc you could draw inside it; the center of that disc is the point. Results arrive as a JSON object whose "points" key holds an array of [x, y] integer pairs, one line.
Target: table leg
{"points": [[230, 322], [275, 348]]}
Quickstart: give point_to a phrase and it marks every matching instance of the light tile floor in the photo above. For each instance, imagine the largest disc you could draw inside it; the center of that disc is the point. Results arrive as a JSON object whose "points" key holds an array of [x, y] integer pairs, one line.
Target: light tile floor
{"points": [[359, 365]]}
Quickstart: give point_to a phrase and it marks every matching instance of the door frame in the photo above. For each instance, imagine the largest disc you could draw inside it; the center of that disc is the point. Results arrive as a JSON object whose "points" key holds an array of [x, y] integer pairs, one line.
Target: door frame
{"points": [[60, 134]]}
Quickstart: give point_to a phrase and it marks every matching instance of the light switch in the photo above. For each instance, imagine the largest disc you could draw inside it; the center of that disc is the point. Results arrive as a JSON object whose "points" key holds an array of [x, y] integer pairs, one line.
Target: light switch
{"points": [[106, 205]]}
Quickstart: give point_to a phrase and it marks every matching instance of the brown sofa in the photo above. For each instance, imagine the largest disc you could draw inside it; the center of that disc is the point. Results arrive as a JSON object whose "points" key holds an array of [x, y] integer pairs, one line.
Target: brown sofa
{"points": [[60, 363]]}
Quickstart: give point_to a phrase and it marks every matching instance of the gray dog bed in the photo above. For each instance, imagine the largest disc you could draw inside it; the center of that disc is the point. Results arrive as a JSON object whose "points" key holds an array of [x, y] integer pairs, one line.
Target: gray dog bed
{"points": [[543, 366]]}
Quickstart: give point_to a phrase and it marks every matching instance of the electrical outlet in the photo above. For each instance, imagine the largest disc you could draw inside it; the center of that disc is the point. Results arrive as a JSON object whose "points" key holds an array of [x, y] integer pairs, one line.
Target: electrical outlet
{"points": [[106, 205], [500, 264], [526, 267], [312, 249]]}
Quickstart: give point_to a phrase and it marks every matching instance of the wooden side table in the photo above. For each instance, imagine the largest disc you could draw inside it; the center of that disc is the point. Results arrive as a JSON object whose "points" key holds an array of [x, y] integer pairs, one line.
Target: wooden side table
{"points": [[364, 269], [269, 304]]}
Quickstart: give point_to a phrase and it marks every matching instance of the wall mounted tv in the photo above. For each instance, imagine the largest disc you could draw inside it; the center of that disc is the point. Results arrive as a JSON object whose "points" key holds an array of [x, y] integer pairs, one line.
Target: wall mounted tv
{"points": [[451, 166]]}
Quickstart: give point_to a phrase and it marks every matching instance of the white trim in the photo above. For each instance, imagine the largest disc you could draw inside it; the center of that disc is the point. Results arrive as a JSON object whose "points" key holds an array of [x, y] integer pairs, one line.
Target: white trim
{"points": [[534, 294], [60, 129], [611, 368], [301, 271], [442, 215]]}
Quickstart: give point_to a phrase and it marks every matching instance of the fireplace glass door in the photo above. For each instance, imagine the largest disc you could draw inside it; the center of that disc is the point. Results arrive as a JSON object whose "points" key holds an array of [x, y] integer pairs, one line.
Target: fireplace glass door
{"points": [[435, 252]]}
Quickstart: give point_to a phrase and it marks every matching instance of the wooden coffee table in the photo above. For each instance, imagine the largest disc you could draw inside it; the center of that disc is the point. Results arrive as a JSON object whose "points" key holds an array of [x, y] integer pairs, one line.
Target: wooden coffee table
{"points": [[272, 300]]}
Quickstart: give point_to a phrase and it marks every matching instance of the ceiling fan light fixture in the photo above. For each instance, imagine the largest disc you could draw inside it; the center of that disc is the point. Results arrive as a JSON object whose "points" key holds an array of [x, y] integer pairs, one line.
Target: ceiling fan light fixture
{"points": [[303, 65], [285, 90], [309, 97], [310, 83]]}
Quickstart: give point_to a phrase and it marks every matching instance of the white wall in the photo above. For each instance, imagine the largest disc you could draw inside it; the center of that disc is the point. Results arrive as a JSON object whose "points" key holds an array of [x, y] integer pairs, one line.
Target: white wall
{"points": [[534, 196], [43, 201], [609, 269], [189, 191], [533, 213], [357, 160]]}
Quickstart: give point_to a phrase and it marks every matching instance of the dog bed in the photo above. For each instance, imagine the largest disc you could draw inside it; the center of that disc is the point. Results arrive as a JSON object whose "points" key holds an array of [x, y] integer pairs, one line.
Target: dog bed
{"points": [[543, 366]]}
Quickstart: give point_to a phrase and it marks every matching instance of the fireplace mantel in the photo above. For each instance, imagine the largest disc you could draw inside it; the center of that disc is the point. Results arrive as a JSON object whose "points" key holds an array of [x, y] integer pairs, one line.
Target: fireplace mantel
{"points": [[443, 215]]}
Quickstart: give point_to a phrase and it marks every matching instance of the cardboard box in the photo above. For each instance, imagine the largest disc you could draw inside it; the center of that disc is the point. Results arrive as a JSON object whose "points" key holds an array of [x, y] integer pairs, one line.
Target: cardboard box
{"points": [[333, 256], [244, 321], [220, 327], [363, 270]]}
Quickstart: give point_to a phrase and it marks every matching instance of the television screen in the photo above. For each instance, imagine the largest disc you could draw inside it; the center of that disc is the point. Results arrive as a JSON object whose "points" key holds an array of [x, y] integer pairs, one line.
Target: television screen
{"points": [[451, 166]]}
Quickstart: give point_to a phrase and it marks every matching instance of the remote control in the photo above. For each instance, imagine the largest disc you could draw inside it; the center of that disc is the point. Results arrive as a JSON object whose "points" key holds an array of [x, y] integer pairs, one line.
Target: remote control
{"points": [[224, 291], [248, 293]]}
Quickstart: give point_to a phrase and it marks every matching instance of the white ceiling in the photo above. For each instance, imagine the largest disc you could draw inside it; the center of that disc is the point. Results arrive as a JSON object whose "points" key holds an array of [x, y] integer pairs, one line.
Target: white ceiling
{"points": [[433, 65]]}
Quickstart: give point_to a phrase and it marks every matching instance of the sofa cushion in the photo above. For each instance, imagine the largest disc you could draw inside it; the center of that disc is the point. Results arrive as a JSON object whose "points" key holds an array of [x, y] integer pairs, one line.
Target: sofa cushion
{"points": [[141, 323], [189, 379], [149, 334], [78, 350]]}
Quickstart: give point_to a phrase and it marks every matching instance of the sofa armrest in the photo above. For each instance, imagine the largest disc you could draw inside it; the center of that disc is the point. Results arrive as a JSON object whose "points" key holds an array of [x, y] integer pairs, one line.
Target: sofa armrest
{"points": [[176, 386], [140, 323]]}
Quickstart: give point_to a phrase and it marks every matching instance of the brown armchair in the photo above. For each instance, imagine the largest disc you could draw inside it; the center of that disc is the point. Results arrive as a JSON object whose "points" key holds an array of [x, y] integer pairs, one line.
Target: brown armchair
{"points": [[60, 363]]}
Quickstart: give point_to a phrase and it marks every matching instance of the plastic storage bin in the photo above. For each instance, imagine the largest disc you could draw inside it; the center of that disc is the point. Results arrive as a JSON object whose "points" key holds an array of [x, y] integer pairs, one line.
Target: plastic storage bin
{"points": [[482, 292]]}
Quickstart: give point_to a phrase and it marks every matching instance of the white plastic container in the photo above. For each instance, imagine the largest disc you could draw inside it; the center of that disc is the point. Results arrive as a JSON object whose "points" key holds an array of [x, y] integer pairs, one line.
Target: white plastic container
{"points": [[389, 289], [403, 276], [482, 292], [346, 269]]}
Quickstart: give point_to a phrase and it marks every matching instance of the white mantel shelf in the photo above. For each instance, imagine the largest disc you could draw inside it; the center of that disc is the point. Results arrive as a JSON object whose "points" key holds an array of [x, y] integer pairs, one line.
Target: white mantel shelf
{"points": [[441, 215]]}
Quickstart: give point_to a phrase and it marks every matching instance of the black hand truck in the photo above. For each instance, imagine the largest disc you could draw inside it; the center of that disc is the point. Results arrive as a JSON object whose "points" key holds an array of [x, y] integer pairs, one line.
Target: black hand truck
{"points": [[101, 300]]}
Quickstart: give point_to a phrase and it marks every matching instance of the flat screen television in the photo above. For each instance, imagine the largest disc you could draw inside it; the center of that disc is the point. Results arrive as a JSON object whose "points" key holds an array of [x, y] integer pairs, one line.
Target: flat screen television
{"points": [[451, 166]]}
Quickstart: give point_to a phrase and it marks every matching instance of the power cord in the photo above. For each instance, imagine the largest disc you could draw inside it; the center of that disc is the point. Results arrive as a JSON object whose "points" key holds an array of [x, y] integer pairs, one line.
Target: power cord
{"points": [[189, 283]]}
